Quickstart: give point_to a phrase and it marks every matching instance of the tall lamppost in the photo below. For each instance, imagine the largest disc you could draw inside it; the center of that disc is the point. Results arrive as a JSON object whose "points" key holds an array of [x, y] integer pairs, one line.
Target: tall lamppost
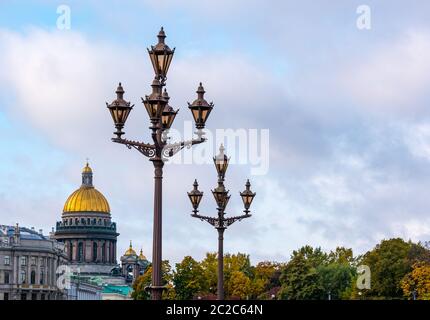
{"points": [[221, 222], [161, 116]]}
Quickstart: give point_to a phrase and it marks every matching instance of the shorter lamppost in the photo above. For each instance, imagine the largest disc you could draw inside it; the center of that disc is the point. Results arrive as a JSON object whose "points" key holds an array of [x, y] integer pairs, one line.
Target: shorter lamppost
{"points": [[221, 222]]}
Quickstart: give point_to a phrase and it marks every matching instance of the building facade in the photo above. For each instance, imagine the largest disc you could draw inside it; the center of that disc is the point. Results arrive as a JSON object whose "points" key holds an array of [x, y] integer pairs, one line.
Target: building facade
{"points": [[81, 289], [28, 265], [87, 230]]}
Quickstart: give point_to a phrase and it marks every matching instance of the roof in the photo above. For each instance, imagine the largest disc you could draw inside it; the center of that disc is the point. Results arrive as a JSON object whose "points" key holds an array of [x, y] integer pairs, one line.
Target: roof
{"points": [[24, 233], [123, 290]]}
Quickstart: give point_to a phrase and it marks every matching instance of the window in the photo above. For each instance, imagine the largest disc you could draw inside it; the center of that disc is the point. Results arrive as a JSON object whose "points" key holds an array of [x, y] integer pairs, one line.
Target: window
{"points": [[22, 276], [33, 261], [41, 276], [42, 296], [34, 296], [23, 296], [6, 260], [94, 251], [42, 261], [33, 277], [5, 296], [70, 251], [23, 261], [6, 277]]}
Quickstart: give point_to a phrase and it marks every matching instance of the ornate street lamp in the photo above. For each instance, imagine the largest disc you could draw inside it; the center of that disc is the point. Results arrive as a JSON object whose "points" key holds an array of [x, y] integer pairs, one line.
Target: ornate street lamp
{"points": [[221, 222], [161, 116], [161, 56], [119, 110], [168, 115], [200, 108], [247, 196], [195, 196]]}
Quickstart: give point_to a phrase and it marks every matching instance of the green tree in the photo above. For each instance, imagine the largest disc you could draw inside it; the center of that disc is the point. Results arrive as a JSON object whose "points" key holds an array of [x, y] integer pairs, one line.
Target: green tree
{"points": [[389, 262], [143, 281], [266, 277], [341, 255], [239, 285], [210, 269], [139, 285], [234, 263], [188, 278], [300, 279], [417, 282], [335, 279]]}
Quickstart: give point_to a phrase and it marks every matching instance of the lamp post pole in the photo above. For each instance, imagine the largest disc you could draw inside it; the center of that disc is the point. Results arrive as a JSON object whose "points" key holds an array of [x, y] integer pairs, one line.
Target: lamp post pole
{"points": [[161, 116], [220, 294], [221, 222]]}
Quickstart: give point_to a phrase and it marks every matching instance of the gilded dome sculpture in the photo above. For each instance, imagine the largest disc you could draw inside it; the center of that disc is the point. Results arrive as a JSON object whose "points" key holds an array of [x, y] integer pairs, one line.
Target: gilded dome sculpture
{"points": [[141, 256], [87, 198], [130, 251]]}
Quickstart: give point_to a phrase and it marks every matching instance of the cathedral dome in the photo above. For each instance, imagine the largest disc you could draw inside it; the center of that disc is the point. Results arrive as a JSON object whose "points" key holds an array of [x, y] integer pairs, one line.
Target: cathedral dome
{"points": [[86, 198], [130, 251], [141, 256]]}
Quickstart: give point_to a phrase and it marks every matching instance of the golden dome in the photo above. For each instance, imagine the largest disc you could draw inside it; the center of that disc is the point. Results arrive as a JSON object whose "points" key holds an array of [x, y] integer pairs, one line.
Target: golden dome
{"points": [[87, 169], [130, 251], [141, 256], [87, 198]]}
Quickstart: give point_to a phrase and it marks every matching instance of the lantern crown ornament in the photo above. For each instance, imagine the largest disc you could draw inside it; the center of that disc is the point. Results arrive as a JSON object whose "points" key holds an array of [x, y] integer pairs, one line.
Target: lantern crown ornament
{"points": [[119, 110], [161, 56], [200, 108]]}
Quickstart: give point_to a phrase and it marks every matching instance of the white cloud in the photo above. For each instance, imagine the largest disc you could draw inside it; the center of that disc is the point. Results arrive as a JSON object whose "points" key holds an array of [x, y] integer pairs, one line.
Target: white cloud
{"points": [[393, 77], [417, 138]]}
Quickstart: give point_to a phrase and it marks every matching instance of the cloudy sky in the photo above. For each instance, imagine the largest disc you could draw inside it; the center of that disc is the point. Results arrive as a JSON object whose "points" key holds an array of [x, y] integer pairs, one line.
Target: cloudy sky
{"points": [[347, 111]]}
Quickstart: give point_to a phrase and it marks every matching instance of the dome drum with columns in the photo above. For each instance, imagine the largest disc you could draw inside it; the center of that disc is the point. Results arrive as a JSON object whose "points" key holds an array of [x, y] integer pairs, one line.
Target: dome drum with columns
{"points": [[86, 228]]}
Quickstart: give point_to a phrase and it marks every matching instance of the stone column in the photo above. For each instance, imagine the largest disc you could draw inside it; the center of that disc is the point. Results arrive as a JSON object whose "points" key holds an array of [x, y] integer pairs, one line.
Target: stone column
{"points": [[114, 251], [28, 267], [112, 247], [99, 251], [38, 271], [74, 250], [15, 274], [108, 251], [47, 271]]}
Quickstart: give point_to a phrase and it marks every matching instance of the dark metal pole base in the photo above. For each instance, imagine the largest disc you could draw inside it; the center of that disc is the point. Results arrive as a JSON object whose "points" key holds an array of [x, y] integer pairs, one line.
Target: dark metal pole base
{"points": [[156, 292]]}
